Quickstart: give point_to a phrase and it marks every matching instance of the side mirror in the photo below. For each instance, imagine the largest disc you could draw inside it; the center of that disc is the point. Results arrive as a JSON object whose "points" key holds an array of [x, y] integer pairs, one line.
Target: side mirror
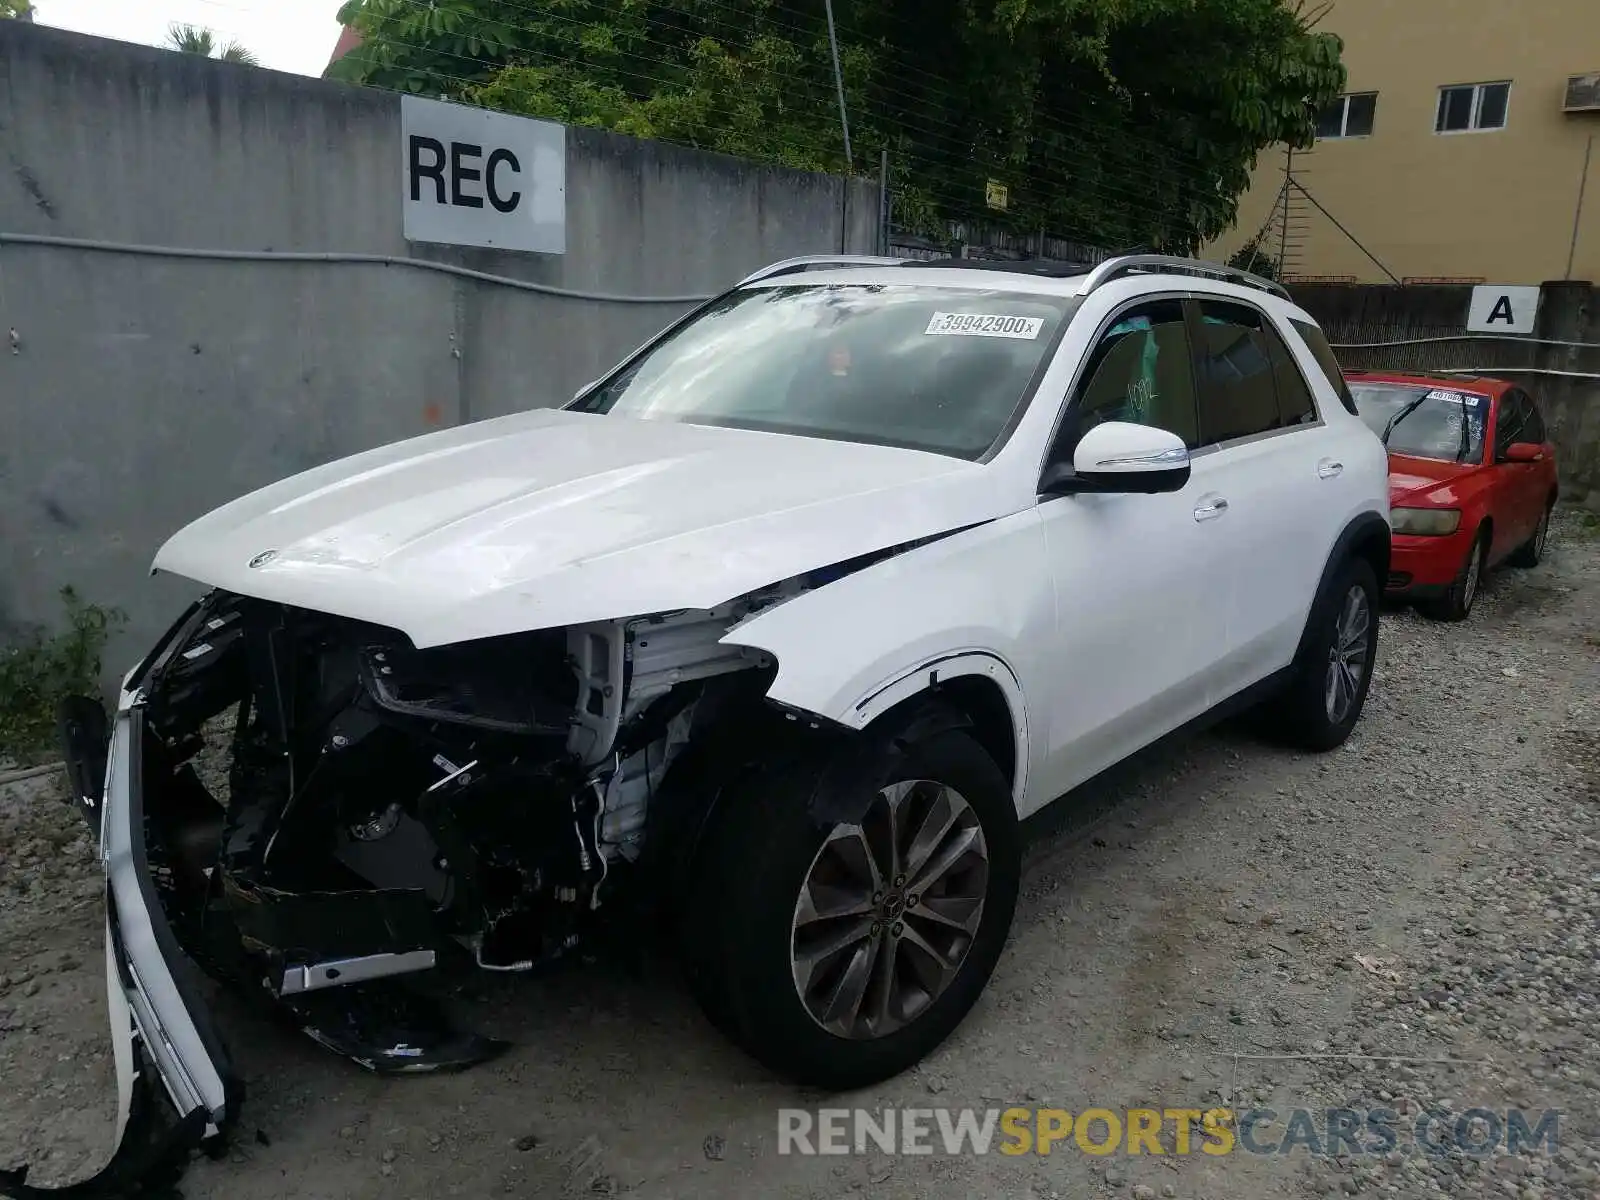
{"points": [[1119, 456], [1524, 452]]}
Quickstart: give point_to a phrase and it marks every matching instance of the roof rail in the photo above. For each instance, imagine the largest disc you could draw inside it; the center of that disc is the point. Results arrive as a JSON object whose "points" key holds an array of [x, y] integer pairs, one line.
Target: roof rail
{"points": [[820, 262], [1127, 264]]}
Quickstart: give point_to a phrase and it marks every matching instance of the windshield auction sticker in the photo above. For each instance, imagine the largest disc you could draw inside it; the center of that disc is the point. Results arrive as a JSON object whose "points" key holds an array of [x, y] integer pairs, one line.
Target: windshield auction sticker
{"points": [[1449, 397], [985, 325]]}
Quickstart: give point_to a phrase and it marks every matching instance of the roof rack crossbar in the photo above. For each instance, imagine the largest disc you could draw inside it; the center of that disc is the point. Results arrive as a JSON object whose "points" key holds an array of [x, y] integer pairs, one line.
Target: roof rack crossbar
{"points": [[807, 262], [1127, 264]]}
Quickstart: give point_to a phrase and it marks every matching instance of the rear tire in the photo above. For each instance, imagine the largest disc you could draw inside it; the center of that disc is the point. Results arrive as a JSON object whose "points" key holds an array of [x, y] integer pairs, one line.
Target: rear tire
{"points": [[767, 974], [1328, 689], [1456, 604], [1531, 552]]}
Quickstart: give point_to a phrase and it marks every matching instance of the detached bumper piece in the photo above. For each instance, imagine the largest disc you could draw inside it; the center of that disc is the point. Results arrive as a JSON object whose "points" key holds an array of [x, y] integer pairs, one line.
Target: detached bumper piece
{"points": [[176, 1088], [151, 1154]]}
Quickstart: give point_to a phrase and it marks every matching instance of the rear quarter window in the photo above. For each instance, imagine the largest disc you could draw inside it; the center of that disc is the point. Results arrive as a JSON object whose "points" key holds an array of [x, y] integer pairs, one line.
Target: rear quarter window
{"points": [[1316, 342]]}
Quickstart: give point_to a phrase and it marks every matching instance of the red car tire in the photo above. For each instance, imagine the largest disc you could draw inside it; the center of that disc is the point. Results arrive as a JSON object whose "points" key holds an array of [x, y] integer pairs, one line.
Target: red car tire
{"points": [[1456, 604]]}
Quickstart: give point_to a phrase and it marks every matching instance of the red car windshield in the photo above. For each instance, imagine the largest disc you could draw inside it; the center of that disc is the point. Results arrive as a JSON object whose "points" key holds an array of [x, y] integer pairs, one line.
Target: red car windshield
{"points": [[1424, 421]]}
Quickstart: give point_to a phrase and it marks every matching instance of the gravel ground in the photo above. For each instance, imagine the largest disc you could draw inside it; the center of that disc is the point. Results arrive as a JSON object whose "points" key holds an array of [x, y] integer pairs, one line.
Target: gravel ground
{"points": [[1410, 923]]}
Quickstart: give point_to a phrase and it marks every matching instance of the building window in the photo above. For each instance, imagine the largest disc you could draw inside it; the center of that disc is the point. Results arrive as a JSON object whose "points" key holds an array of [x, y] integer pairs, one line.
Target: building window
{"points": [[1348, 116], [1471, 106]]}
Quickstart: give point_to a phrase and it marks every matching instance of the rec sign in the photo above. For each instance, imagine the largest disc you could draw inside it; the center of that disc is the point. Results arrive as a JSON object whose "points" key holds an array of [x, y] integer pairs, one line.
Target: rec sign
{"points": [[479, 178]]}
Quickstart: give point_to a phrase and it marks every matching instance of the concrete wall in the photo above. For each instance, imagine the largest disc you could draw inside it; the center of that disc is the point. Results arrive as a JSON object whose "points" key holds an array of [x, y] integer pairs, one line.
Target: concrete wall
{"points": [[1497, 205], [140, 392], [1565, 379]]}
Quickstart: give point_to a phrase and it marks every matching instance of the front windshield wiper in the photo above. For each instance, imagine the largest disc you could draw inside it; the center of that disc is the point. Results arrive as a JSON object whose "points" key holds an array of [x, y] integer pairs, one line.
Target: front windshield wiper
{"points": [[1411, 407]]}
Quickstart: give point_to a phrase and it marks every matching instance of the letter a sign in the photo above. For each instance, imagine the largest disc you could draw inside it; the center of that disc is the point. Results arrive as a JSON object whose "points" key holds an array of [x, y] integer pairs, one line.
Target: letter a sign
{"points": [[1501, 309], [478, 178]]}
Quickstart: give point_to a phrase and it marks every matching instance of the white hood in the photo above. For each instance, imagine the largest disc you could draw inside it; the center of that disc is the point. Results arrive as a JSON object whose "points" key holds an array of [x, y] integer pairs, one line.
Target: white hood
{"points": [[552, 518]]}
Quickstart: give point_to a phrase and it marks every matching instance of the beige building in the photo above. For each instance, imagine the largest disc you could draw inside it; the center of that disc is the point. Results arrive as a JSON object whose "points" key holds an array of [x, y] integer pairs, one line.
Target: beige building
{"points": [[1467, 149]]}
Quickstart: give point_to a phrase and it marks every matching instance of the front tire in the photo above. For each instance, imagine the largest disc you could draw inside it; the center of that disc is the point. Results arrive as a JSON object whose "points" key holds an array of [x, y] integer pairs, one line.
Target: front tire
{"points": [[1456, 604], [1328, 690], [849, 946]]}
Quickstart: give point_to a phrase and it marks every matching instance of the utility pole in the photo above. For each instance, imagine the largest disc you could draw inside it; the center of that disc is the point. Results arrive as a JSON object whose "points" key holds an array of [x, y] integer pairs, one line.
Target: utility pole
{"points": [[1283, 224], [1577, 215], [838, 81]]}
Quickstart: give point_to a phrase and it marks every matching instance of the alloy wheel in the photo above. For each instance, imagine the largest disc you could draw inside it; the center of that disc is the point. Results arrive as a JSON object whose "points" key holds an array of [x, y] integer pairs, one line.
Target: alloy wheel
{"points": [[1347, 657], [889, 910]]}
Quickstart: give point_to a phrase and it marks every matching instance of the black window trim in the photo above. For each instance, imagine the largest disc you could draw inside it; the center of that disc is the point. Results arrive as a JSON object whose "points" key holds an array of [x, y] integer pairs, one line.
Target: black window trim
{"points": [[1535, 412], [1250, 438], [1524, 404], [1069, 399], [1341, 390], [1294, 363]]}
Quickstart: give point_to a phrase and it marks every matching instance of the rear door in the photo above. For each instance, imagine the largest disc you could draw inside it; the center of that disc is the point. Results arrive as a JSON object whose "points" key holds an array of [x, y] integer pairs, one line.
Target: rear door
{"points": [[1273, 461]]}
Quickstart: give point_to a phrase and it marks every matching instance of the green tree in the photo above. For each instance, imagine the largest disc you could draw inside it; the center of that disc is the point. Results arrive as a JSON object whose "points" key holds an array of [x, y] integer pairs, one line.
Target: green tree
{"points": [[1254, 257], [14, 8], [196, 39], [1125, 122]]}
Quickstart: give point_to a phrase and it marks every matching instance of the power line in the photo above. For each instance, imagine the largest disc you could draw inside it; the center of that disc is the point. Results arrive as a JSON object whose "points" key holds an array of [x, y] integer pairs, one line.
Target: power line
{"points": [[921, 141], [1070, 126], [1124, 195]]}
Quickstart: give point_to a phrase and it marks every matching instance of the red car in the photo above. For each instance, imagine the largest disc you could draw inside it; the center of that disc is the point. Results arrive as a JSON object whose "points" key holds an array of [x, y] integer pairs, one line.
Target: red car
{"points": [[1472, 480]]}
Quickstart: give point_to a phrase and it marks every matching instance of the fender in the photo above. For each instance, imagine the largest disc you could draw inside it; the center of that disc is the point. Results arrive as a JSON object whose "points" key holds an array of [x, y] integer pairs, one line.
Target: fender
{"points": [[966, 605], [1364, 526]]}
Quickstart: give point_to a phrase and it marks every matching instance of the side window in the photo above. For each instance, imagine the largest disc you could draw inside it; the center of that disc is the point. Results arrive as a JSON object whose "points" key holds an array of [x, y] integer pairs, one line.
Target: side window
{"points": [[1233, 362], [1508, 428], [1533, 430], [1139, 371], [1317, 342], [1296, 406]]}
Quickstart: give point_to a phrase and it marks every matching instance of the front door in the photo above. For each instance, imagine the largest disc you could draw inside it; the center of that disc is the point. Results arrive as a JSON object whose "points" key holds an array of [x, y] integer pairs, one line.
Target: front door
{"points": [[1515, 482], [1139, 581]]}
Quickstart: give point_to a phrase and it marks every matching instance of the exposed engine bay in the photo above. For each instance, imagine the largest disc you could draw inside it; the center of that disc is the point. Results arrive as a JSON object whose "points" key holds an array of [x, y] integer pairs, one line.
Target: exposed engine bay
{"points": [[329, 810]]}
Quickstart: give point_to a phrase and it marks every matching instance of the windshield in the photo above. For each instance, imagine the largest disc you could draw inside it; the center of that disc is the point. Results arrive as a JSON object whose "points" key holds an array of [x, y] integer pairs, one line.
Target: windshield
{"points": [[926, 368], [1425, 422]]}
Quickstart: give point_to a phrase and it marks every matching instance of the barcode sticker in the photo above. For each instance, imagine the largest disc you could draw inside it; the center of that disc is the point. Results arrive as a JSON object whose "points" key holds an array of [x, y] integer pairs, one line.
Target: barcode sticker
{"points": [[985, 325], [1449, 397]]}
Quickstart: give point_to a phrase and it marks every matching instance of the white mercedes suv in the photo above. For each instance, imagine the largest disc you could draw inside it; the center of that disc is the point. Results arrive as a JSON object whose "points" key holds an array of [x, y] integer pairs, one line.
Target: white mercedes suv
{"points": [[768, 639]]}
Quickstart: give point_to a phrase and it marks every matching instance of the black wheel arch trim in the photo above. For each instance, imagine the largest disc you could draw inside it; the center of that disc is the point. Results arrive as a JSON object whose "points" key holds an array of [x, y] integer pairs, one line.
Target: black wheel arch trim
{"points": [[1363, 527], [849, 762]]}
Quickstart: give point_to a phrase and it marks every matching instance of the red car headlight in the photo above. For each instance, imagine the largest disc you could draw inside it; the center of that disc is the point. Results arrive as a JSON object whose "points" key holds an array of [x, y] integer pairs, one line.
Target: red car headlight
{"points": [[1429, 522]]}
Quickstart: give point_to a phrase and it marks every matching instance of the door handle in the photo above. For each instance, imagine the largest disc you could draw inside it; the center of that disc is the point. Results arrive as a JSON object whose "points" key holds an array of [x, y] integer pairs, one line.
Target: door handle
{"points": [[1327, 468], [1210, 508]]}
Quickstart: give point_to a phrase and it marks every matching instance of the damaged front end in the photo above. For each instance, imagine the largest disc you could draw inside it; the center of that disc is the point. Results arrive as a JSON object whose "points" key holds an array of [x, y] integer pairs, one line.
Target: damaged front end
{"points": [[314, 813]]}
